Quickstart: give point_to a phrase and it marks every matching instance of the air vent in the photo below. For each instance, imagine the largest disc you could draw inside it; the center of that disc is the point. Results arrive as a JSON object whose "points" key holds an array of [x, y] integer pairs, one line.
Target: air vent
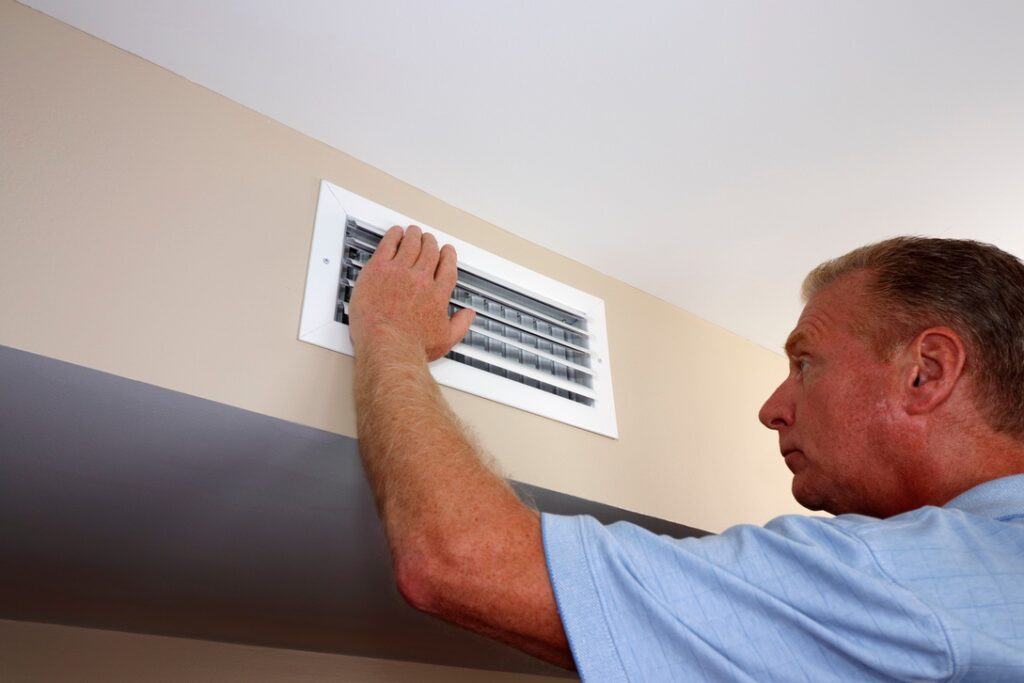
{"points": [[513, 335], [535, 344]]}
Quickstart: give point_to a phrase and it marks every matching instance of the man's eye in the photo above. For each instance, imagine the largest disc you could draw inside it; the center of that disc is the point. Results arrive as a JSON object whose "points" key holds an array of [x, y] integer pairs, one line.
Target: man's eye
{"points": [[803, 364]]}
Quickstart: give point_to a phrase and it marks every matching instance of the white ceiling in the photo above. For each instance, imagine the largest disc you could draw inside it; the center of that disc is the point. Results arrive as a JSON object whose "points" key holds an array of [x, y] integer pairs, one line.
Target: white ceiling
{"points": [[709, 152]]}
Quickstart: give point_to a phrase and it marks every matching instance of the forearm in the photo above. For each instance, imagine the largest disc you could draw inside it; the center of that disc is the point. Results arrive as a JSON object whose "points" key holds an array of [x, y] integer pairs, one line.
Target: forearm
{"points": [[425, 473], [464, 547]]}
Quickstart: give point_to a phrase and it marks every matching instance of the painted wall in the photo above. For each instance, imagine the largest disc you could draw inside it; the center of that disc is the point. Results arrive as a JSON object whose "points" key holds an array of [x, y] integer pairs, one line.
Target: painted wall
{"points": [[153, 229], [156, 230]]}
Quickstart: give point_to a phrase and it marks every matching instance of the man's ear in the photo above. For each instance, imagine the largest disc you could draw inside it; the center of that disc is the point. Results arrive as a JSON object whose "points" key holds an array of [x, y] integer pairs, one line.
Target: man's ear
{"points": [[937, 356]]}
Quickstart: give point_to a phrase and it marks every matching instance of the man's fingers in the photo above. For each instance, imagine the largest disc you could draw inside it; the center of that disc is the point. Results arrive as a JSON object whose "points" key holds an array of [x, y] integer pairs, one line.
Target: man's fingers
{"points": [[459, 325], [409, 249], [428, 254], [389, 243], [447, 271]]}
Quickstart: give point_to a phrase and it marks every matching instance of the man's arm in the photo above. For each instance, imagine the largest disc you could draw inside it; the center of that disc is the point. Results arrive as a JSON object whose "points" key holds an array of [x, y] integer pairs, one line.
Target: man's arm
{"points": [[463, 545]]}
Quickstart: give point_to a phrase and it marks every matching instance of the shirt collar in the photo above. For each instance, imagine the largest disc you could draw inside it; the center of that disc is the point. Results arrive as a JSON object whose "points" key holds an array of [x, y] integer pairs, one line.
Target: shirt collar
{"points": [[998, 498]]}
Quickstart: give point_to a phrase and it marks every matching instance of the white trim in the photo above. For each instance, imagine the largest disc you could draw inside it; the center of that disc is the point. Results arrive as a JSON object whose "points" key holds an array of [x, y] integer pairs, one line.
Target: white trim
{"points": [[319, 327]]}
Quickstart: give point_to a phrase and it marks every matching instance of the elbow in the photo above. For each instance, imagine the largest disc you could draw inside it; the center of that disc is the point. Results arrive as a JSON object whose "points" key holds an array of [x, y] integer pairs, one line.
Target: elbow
{"points": [[417, 583], [438, 577], [424, 575], [452, 572]]}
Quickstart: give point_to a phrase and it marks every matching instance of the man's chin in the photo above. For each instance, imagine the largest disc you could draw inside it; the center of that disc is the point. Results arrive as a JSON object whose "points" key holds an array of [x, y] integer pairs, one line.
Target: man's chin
{"points": [[807, 497]]}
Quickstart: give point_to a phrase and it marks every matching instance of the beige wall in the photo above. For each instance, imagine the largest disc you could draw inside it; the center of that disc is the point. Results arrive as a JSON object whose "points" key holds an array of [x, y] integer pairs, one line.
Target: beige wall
{"points": [[153, 229], [31, 653], [156, 230]]}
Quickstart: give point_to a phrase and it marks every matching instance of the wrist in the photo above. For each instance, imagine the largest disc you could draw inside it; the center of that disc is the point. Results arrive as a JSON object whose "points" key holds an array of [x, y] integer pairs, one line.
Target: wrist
{"points": [[384, 341]]}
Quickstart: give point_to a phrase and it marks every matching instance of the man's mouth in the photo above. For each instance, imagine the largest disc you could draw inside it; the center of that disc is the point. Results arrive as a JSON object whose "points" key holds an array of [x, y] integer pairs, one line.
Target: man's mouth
{"points": [[793, 456]]}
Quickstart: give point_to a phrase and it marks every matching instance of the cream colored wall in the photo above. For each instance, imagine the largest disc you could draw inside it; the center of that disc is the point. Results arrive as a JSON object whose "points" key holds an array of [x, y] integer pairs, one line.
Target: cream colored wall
{"points": [[57, 654], [156, 230]]}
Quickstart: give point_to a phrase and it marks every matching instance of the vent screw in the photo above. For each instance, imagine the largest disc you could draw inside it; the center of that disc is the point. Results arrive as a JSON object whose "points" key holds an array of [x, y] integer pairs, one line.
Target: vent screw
{"points": [[327, 261]]}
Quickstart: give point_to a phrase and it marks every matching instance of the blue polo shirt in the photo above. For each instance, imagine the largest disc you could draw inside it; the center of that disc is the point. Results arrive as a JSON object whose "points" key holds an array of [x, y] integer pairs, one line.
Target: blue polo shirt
{"points": [[935, 594]]}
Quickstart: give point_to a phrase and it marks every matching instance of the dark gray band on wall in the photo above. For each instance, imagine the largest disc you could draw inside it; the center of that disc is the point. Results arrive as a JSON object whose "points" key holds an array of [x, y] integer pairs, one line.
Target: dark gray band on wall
{"points": [[132, 507]]}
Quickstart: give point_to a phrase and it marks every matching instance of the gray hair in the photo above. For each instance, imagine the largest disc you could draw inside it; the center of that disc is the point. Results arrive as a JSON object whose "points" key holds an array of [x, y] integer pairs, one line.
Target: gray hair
{"points": [[972, 287]]}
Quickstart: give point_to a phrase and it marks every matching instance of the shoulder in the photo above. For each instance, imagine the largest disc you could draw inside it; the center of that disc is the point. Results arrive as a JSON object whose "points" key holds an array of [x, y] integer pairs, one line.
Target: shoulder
{"points": [[945, 555], [801, 593], [744, 549]]}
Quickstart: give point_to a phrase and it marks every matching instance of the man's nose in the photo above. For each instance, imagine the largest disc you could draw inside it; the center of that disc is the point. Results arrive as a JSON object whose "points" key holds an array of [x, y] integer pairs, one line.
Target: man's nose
{"points": [[777, 411]]}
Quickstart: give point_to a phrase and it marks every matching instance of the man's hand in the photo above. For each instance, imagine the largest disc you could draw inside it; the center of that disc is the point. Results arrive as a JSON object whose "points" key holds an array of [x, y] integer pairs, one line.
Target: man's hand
{"points": [[401, 296]]}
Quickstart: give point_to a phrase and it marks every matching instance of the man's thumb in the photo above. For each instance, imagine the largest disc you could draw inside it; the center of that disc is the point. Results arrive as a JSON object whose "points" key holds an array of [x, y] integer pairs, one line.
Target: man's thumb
{"points": [[459, 325]]}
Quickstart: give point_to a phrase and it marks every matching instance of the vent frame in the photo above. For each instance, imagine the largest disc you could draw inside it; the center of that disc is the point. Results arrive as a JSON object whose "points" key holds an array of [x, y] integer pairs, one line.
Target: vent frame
{"points": [[318, 325]]}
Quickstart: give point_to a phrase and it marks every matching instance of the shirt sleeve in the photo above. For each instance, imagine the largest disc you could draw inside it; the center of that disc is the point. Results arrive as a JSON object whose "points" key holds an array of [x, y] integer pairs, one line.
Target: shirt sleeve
{"points": [[801, 599]]}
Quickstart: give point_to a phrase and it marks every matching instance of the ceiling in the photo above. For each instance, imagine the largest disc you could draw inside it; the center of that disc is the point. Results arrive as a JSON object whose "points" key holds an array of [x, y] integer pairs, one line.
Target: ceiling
{"points": [[709, 153]]}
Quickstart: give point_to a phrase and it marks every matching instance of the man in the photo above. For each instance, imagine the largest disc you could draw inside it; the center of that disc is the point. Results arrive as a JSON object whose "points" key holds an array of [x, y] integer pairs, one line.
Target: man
{"points": [[903, 413]]}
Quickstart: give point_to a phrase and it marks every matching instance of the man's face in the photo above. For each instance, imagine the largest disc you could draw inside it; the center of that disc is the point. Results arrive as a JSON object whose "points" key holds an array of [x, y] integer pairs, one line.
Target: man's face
{"points": [[836, 413]]}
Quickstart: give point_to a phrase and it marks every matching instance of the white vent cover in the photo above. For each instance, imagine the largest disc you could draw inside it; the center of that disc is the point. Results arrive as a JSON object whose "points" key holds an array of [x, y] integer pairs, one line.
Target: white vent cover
{"points": [[535, 344]]}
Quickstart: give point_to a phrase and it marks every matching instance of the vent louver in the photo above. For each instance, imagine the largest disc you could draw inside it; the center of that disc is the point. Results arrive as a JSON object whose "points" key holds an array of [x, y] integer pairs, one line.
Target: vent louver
{"points": [[535, 344], [513, 336]]}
